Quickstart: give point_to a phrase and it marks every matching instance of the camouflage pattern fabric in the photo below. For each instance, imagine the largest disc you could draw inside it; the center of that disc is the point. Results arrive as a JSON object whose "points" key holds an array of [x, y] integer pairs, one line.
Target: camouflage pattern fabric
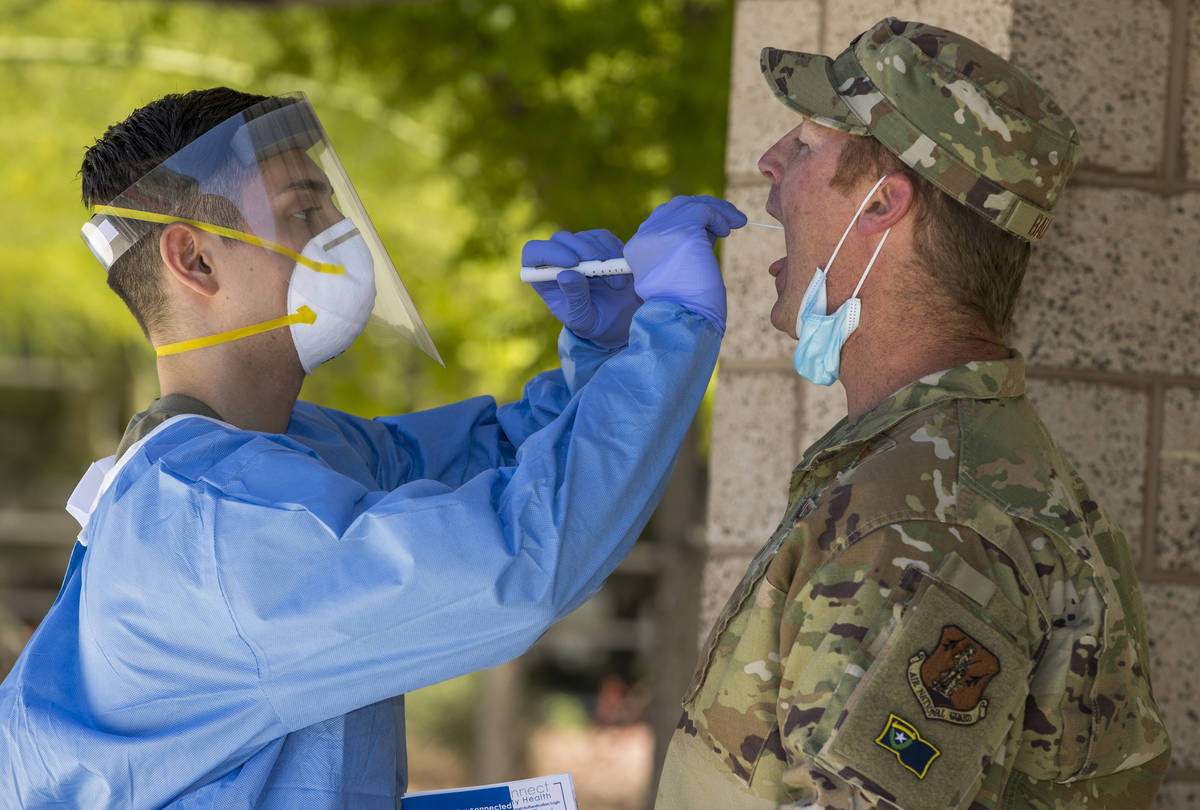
{"points": [[945, 618], [961, 116]]}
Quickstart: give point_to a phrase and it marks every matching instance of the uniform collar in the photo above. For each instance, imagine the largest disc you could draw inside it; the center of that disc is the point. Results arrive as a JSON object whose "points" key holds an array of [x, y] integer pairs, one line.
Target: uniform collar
{"points": [[160, 410], [981, 379]]}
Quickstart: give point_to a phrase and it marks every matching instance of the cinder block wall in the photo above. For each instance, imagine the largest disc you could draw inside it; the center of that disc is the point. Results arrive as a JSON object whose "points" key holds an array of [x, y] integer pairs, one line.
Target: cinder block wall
{"points": [[1109, 320]]}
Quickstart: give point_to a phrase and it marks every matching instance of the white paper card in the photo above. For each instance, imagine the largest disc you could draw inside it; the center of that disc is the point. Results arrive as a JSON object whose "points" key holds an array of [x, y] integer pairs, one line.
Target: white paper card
{"points": [[555, 792]]}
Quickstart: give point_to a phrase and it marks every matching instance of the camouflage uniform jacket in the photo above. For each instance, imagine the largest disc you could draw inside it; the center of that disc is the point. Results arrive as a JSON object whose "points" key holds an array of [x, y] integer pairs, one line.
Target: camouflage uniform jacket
{"points": [[945, 618]]}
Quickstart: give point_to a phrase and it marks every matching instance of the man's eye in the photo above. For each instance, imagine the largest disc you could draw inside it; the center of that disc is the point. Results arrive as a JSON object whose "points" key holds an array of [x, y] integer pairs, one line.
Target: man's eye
{"points": [[306, 213]]}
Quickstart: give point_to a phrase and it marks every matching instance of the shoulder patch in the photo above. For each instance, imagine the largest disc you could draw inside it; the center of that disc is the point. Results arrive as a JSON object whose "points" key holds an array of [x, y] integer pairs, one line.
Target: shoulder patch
{"points": [[948, 681], [903, 740], [933, 707]]}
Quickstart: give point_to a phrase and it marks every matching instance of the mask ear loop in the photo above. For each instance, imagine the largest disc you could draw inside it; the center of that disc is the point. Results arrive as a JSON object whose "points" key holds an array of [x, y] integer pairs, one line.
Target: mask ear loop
{"points": [[878, 248], [854, 219], [853, 305]]}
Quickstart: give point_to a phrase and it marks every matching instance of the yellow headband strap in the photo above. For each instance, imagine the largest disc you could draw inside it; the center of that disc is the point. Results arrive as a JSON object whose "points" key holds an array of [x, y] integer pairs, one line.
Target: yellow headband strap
{"points": [[241, 236], [302, 315]]}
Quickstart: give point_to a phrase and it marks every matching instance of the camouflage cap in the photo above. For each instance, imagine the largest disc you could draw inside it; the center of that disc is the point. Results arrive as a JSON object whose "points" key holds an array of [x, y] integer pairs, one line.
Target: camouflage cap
{"points": [[959, 115]]}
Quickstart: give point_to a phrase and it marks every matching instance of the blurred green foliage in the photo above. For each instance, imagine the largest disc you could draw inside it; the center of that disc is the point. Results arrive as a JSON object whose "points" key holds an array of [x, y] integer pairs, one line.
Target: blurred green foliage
{"points": [[467, 126], [445, 714]]}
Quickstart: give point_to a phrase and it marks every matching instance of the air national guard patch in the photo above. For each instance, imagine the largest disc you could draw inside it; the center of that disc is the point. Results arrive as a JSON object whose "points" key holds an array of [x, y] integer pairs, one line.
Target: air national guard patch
{"points": [[902, 739], [949, 680]]}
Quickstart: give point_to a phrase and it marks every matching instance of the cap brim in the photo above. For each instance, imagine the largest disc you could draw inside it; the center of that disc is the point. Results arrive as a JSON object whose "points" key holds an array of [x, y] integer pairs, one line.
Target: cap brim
{"points": [[805, 83]]}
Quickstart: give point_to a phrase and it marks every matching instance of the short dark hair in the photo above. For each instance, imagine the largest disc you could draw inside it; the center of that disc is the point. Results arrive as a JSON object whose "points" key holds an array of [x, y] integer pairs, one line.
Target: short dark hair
{"points": [[129, 150], [979, 266]]}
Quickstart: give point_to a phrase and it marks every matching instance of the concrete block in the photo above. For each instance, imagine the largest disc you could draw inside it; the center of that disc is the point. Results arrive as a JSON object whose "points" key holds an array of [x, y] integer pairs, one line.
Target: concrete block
{"points": [[753, 453], [756, 118], [986, 22], [1178, 796], [1171, 612], [1101, 429], [1177, 545], [746, 255], [1107, 67], [721, 576], [1114, 286], [1191, 101]]}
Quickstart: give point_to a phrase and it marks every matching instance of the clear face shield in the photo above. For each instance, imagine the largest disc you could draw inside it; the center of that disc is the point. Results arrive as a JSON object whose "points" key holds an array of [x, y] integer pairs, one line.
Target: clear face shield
{"points": [[269, 178]]}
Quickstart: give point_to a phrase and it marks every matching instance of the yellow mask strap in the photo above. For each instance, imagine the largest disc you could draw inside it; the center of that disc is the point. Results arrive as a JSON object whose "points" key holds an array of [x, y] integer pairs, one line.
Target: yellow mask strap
{"points": [[241, 236], [302, 315]]}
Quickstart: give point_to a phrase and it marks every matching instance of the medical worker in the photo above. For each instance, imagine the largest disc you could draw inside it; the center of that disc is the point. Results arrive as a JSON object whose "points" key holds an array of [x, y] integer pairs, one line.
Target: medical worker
{"points": [[258, 580]]}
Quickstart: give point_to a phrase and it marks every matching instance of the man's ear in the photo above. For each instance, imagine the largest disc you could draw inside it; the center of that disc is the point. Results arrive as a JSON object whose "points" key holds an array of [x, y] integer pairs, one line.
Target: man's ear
{"points": [[187, 254], [890, 203]]}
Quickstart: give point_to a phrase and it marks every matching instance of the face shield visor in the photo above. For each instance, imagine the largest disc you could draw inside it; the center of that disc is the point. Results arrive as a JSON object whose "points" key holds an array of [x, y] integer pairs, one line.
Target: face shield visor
{"points": [[269, 178]]}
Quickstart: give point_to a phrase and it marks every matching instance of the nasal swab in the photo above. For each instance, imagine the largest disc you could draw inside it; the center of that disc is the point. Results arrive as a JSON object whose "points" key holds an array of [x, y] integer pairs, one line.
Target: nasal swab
{"points": [[591, 269], [594, 269]]}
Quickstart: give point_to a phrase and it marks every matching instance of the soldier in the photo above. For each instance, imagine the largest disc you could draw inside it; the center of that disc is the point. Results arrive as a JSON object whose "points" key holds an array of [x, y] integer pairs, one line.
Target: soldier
{"points": [[945, 617]]}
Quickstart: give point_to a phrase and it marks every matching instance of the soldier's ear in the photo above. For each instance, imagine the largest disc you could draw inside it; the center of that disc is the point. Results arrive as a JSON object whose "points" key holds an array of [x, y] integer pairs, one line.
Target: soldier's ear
{"points": [[890, 203]]}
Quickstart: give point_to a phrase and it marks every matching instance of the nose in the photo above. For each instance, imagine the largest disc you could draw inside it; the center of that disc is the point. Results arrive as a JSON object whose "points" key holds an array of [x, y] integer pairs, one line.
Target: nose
{"points": [[326, 217], [769, 164]]}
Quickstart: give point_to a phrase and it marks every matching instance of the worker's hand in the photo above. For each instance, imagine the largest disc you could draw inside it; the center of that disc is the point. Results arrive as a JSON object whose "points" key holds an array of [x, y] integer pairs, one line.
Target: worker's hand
{"points": [[672, 259], [597, 309]]}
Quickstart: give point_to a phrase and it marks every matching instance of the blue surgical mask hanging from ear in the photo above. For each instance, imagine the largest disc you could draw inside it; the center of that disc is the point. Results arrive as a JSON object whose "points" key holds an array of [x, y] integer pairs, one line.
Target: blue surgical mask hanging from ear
{"points": [[818, 356]]}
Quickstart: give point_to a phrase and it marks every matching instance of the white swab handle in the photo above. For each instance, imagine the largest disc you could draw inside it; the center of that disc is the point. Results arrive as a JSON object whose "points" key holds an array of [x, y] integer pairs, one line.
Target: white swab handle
{"points": [[591, 269]]}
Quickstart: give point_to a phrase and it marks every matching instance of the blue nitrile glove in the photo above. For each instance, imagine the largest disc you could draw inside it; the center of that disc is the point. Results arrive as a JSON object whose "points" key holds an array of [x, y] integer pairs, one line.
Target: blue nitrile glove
{"points": [[597, 309], [671, 255]]}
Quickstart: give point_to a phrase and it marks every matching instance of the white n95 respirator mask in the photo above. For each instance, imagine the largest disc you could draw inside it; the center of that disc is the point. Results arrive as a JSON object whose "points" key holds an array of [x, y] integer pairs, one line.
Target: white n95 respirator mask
{"points": [[341, 302]]}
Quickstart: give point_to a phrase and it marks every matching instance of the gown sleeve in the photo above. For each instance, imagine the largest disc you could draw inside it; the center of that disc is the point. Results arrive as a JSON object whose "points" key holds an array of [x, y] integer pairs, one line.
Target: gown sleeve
{"points": [[270, 573], [455, 442]]}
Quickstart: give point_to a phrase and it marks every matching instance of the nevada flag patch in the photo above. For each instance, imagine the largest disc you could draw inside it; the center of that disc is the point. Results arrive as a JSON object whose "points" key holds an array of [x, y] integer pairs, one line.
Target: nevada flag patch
{"points": [[902, 739]]}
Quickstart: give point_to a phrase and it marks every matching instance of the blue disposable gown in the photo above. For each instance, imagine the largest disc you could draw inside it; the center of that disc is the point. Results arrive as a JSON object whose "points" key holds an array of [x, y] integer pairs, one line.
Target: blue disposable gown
{"points": [[247, 606]]}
